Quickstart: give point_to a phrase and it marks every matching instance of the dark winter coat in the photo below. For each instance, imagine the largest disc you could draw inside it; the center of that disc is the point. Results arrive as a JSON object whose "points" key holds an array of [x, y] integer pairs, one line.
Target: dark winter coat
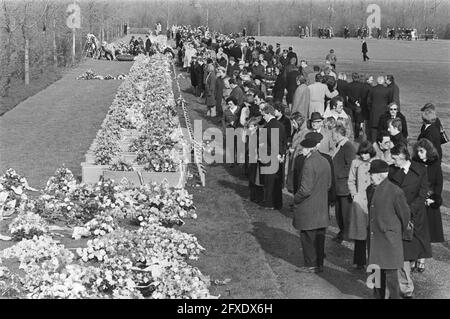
{"points": [[311, 199], [435, 184], [395, 93], [379, 97], [383, 122], [432, 133], [389, 215], [278, 88], [415, 186], [342, 162]]}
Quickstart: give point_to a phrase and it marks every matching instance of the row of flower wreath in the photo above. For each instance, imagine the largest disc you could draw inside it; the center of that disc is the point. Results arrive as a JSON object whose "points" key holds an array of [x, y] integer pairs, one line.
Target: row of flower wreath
{"points": [[147, 261], [144, 104]]}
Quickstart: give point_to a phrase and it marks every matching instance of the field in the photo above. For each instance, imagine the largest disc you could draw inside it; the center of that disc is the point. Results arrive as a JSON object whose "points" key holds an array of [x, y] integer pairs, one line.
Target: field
{"points": [[421, 70]]}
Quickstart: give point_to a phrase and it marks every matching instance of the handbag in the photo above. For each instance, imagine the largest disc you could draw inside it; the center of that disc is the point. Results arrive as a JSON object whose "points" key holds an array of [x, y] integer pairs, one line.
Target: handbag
{"points": [[444, 137], [409, 232]]}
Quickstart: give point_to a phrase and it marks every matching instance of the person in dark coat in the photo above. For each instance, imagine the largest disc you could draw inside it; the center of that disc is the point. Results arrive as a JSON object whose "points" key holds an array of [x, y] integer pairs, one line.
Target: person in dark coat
{"points": [[232, 66], [395, 131], [378, 100], [193, 76], [199, 75], [395, 91], [389, 215], [273, 181], [284, 59], [412, 178], [342, 160], [281, 117], [291, 74], [279, 86], [392, 113], [148, 45], [353, 101], [425, 152], [364, 50], [291, 54], [220, 86], [431, 129], [311, 213], [298, 166], [255, 179], [236, 92]]}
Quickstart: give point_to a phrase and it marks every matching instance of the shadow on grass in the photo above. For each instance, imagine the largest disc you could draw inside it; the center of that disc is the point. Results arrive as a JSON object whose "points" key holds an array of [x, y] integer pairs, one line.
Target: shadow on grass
{"points": [[287, 246], [278, 243]]}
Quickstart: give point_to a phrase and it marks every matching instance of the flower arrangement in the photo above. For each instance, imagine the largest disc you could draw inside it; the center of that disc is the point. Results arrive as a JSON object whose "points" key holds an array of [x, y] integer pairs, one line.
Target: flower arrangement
{"points": [[117, 263], [120, 165], [101, 225], [91, 75], [33, 252], [27, 225], [142, 245], [61, 183], [144, 102], [12, 193]]}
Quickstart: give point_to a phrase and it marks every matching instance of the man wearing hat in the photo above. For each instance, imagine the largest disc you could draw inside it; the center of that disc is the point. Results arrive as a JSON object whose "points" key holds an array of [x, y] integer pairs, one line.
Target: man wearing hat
{"points": [[311, 216], [291, 54], [316, 124], [389, 215], [298, 166]]}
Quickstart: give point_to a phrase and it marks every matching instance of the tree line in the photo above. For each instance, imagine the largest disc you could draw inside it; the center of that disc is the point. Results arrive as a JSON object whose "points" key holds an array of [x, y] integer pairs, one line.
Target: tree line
{"points": [[34, 35]]}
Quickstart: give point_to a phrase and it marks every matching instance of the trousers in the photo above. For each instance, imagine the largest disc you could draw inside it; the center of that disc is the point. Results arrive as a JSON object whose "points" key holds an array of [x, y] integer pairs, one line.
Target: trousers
{"points": [[404, 279], [313, 245], [342, 209], [389, 282], [360, 253]]}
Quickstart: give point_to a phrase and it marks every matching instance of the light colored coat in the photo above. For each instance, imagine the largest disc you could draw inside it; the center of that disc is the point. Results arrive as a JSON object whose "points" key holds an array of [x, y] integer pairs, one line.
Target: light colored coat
{"points": [[301, 101], [358, 181], [317, 93]]}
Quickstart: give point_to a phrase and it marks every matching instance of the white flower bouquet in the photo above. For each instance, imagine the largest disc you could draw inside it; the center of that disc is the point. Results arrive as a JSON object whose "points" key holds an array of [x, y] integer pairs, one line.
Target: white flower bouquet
{"points": [[27, 225]]}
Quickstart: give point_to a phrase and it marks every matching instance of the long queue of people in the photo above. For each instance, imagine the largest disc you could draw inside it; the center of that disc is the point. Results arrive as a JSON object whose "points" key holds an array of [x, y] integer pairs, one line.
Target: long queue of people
{"points": [[341, 144]]}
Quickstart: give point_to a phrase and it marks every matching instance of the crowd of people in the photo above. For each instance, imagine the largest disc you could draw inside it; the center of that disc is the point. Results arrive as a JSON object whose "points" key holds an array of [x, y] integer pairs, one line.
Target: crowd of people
{"points": [[342, 142]]}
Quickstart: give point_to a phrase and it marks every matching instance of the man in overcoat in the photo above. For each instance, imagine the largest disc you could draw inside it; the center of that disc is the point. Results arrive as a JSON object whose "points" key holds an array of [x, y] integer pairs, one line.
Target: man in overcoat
{"points": [[148, 45], [389, 215], [273, 182], [364, 50], [379, 97], [342, 160], [311, 214], [412, 178]]}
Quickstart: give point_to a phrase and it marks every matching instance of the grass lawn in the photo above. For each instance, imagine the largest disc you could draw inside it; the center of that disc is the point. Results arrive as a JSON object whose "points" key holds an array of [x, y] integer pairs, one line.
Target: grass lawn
{"points": [[19, 91], [57, 125]]}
